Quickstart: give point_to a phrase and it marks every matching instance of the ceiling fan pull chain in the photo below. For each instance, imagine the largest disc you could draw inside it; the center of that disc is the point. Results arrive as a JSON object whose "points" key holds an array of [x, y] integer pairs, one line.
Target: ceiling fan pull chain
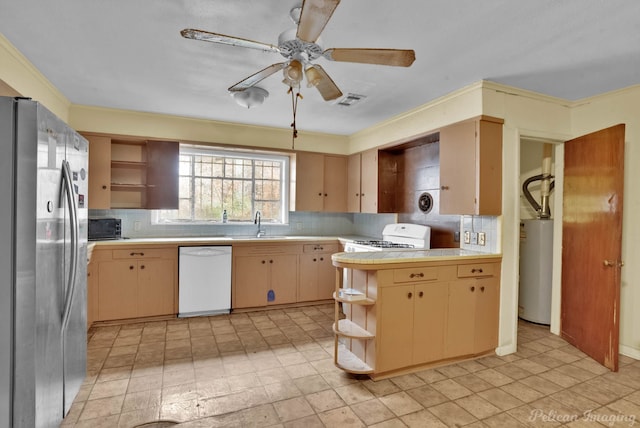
{"points": [[294, 105]]}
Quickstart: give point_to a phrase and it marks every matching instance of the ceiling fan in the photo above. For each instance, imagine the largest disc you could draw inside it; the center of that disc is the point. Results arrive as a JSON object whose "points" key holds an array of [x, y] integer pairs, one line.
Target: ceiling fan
{"points": [[301, 46]]}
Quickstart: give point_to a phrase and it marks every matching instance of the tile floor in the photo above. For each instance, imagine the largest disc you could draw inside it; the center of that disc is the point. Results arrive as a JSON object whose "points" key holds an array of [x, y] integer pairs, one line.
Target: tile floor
{"points": [[275, 368]]}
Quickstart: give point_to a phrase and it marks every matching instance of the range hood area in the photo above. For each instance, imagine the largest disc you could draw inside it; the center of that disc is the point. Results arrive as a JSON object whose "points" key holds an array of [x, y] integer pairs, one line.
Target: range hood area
{"points": [[409, 184]]}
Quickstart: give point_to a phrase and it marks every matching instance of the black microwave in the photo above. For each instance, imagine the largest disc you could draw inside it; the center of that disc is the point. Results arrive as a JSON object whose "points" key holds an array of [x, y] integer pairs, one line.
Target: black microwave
{"points": [[104, 228]]}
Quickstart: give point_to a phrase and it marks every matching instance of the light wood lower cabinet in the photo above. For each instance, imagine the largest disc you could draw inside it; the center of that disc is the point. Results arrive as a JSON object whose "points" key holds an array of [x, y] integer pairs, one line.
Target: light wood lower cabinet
{"points": [[424, 314], [264, 275], [134, 282], [317, 274]]}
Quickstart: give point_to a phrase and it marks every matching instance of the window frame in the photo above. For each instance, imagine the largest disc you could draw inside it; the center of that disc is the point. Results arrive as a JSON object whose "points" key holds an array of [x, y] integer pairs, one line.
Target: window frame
{"points": [[235, 153]]}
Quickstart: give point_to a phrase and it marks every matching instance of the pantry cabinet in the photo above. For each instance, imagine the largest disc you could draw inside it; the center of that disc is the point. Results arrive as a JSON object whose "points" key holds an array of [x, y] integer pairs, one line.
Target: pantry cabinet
{"points": [[320, 182], [317, 274], [134, 282], [132, 173], [264, 275], [471, 167]]}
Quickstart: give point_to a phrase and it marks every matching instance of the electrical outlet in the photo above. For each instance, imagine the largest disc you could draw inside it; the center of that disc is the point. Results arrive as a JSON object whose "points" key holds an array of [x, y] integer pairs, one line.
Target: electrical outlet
{"points": [[474, 238], [482, 238], [467, 237]]}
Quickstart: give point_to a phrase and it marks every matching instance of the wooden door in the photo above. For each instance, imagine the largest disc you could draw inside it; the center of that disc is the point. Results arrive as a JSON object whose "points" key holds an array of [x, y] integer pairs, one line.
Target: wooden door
{"points": [[326, 276], [99, 172], [353, 183], [369, 182], [309, 182], [117, 290], [155, 287], [163, 159], [487, 314], [395, 335], [429, 321], [458, 168], [250, 283], [283, 278], [335, 175], [591, 243], [461, 318], [308, 283]]}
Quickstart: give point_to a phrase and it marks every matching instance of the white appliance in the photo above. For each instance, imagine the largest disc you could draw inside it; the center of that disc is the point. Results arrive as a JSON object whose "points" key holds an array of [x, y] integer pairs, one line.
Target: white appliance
{"points": [[536, 268], [204, 281], [43, 265], [395, 237]]}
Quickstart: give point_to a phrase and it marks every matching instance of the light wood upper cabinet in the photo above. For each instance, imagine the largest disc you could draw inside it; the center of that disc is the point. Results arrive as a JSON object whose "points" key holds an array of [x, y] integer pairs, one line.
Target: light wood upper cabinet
{"points": [[471, 168], [320, 182], [132, 173], [362, 182], [99, 172]]}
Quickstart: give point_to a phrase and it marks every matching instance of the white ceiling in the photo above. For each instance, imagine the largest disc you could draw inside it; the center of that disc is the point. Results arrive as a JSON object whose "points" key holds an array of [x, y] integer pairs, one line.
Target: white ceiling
{"points": [[128, 54]]}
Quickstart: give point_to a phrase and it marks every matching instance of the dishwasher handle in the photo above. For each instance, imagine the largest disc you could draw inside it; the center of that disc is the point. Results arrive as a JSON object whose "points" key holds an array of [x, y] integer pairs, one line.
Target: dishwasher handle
{"points": [[205, 251]]}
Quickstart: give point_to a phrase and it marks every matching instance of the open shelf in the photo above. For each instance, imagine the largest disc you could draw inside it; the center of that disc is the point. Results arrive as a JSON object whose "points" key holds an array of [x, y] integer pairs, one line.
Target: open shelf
{"points": [[352, 330], [127, 164], [365, 302], [348, 362]]}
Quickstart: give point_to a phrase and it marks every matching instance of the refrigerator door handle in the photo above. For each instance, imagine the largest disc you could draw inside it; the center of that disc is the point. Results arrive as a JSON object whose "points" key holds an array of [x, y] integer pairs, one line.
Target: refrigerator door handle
{"points": [[73, 263]]}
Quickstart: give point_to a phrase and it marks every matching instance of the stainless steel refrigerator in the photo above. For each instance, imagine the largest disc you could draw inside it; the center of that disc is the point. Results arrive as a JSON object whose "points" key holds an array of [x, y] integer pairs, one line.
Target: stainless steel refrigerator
{"points": [[43, 262]]}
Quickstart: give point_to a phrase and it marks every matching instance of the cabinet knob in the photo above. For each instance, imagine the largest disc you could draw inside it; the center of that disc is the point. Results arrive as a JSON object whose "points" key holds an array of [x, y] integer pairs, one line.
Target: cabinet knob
{"points": [[320, 194], [321, 258], [104, 187], [357, 194], [482, 288], [416, 275], [270, 261], [473, 289], [420, 294], [325, 194], [263, 262], [314, 260], [362, 194], [444, 187], [409, 295], [476, 270], [131, 267], [142, 267]]}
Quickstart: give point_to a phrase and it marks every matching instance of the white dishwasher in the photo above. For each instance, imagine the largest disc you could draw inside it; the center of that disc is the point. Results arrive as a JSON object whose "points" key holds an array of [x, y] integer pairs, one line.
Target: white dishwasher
{"points": [[204, 281]]}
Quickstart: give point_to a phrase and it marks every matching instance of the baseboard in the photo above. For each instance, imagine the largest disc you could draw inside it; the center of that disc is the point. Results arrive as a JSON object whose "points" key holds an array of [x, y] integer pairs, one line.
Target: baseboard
{"points": [[630, 352]]}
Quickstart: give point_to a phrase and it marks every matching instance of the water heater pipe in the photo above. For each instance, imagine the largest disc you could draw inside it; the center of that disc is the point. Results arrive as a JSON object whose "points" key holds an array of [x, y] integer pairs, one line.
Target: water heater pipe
{"points": [[545, 184]]}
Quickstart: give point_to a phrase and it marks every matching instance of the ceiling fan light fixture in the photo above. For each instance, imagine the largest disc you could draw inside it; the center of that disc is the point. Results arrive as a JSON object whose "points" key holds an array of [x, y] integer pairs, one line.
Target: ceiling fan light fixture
{"points": [[250, 97], [313, 76], [293, 73]]}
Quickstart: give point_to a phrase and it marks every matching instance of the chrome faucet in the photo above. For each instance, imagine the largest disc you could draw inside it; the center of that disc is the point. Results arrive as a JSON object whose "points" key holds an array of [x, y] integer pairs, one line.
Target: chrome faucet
{"points": [[256, 220]]}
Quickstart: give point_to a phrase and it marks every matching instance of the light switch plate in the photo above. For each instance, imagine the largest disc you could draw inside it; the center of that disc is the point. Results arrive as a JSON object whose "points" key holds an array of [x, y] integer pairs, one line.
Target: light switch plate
{"points": [[467, 237], [482, 238]]}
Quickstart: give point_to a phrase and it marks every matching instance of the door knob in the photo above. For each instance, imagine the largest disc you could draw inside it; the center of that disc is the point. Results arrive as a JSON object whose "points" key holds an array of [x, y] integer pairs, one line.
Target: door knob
{"points": [[613, 263]]}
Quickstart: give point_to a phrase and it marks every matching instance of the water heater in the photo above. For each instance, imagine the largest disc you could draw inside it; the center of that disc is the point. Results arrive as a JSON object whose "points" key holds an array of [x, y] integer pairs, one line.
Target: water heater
{"points": [[536, 266]]}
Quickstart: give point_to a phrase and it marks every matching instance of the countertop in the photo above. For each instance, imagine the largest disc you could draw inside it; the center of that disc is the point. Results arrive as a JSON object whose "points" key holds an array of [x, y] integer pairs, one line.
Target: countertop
{"points": [[222, 240], [377, 259]]}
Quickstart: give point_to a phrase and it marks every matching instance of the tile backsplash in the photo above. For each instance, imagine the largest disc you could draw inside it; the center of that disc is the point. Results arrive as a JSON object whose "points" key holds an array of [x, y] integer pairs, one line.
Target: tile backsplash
{"points": [[475, 224]]}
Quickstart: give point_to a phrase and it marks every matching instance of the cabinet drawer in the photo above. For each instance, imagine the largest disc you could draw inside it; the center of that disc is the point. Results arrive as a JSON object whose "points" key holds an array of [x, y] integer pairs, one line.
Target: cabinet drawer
{"points": [[476, 270], [321, 248], [144, 253], [415, 274]]}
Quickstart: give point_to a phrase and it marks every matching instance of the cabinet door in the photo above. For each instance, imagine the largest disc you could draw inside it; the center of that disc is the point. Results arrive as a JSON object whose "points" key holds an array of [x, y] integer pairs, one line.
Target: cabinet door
{"points": [[395, 333], [458, 169], [155, 287], [283, 279], [92, 293], [162, 174], [353, 183], [250, 284], [309, 182], [117, 290], [100, 172], [326, 277], [335, 175], [308, 283], [486, 314], [369, 182], [461, 318], [429, 321]]}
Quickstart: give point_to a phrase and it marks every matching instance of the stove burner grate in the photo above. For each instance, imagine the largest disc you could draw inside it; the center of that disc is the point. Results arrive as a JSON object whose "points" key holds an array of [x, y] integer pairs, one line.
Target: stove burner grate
{"points": [[383, 244]]}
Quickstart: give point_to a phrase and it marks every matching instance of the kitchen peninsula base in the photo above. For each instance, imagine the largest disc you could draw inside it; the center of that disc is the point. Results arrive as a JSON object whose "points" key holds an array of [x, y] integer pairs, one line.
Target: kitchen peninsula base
{"points": [[415, 313]]}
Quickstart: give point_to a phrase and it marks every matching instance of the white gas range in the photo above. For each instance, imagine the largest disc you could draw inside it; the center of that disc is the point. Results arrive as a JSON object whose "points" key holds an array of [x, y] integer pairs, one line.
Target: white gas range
{"points": [[396, 236]]}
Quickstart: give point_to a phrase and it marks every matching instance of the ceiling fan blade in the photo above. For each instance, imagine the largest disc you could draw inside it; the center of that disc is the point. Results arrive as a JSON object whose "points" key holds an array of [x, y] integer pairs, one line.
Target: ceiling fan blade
{"points": [[327, 87], [395, 57], [257, 77], [206, 36], [314, 17]]}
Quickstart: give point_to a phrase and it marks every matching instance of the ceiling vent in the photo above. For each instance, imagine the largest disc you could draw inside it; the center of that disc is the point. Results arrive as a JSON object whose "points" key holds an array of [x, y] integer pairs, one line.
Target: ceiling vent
{"points": [[350, 100]]}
